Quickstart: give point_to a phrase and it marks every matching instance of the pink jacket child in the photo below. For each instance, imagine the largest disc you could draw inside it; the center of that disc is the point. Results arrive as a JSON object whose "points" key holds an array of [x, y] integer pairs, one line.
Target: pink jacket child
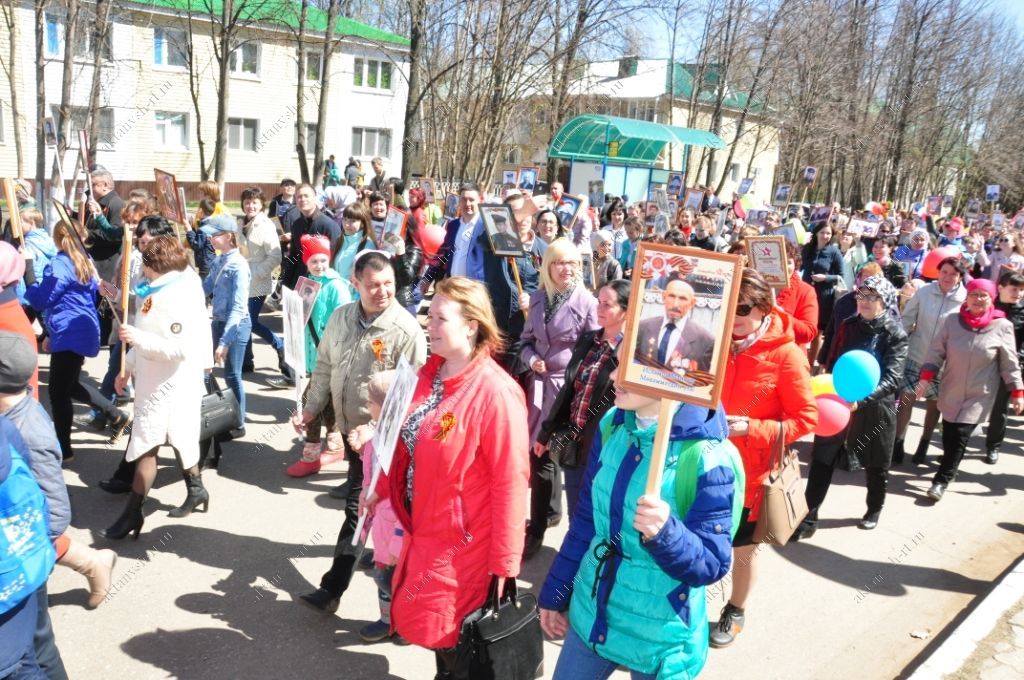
{"points": [[386, 532]]}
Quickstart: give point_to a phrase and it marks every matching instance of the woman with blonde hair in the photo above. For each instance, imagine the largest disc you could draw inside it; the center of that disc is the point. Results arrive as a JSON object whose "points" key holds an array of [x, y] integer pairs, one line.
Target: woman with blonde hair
{"points": [[1007, 253], [560, 311], [211, 190], [66, 297], [458, 468]]}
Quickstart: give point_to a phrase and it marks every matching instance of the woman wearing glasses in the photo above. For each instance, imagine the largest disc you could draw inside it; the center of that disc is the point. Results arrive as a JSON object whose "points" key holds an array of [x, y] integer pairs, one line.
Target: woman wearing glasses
{"points": [[975, 349], [767, 383], [560, 311], [872, 428], [1006, 253]]}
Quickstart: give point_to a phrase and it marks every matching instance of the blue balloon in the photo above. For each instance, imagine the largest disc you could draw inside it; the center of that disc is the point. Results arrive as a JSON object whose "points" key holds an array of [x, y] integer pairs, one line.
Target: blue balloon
{"points": [[856, 375]]}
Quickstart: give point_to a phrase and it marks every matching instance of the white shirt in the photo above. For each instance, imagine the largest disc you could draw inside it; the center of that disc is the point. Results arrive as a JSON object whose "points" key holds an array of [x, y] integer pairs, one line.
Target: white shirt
{"points": [[461, 250], [677, 333]]}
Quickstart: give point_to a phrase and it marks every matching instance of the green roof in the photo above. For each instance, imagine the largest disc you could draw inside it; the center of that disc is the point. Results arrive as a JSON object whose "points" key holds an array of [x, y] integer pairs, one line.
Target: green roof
{"points": [[685, 75], [284, 13], [591, 137]]}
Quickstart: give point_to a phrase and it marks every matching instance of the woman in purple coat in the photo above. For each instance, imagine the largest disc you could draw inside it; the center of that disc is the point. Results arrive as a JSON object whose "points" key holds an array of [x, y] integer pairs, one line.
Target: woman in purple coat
{"points": [[559, 312]]}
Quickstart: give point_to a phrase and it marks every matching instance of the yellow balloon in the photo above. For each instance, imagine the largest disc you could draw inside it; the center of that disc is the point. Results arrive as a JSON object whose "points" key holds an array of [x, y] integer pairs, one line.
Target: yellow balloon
{"points": [[822, 384]]}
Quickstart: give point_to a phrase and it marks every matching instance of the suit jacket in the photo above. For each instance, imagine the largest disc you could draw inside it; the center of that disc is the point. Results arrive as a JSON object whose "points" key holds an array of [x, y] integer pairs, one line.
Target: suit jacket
{"points": [[696, 342]]}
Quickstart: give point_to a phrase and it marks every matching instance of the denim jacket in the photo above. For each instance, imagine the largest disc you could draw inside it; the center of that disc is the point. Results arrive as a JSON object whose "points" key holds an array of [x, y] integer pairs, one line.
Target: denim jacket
{"points": [[228, 281]]}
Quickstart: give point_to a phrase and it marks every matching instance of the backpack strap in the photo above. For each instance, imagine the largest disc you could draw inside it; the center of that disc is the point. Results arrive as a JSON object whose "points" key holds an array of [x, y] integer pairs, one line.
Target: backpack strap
{"points": [[688, 470]]}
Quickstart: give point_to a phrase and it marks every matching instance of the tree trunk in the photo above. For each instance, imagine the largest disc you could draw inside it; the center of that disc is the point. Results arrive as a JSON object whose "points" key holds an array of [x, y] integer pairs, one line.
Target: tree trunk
{"points": [[11, 69], [325, 89], [40, 26], [194, 87], [67, 73], [417, 20], [300, 96], [99, 40], [224, 34]]}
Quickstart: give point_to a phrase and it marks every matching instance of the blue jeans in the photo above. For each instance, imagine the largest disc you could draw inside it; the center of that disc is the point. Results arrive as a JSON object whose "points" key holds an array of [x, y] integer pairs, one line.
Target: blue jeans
{"points": [[255, 307], [579, 662], [113, 368], [233, 362]]}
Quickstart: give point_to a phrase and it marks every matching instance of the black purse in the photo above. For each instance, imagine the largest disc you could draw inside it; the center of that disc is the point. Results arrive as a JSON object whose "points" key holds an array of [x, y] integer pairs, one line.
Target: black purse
{"points": [[564, 447], [219, 411], [502, 640]]}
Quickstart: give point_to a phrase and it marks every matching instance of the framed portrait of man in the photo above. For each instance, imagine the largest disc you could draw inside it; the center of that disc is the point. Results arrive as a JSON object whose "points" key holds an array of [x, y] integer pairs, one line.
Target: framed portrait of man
{"points": [[528, 178], [677, 333], [429, 190], [451, 206], [675, 185], [500, 225], [568, 209], [782, 193], [745, 184], [819, 213], [508, 178], [693, 199], [809, 175], [167, 201], [394, 225], [992, 192]]}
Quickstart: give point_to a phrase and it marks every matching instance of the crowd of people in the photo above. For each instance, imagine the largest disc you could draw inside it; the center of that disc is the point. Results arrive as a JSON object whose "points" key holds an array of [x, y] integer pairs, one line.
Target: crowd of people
{"points": [[516, 397]]}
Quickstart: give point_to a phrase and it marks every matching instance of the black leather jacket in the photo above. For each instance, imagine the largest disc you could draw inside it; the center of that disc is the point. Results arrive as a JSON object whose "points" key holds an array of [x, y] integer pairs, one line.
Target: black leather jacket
{"points": [[407, 270], [884, 338], [601, 401]]}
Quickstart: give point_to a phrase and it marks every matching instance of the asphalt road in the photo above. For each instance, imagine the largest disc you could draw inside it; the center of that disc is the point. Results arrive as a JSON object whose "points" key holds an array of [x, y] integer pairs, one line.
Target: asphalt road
{"points": [[214, 596]]}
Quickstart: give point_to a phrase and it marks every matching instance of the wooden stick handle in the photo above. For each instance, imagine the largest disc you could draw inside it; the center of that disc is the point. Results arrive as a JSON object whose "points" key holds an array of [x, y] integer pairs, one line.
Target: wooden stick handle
{"points": [[126, 258], [657, 465], [519, 283]]}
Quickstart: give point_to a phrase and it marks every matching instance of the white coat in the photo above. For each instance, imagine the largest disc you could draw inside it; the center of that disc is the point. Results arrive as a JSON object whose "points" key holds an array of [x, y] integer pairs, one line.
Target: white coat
{"points": [[172, 351]]}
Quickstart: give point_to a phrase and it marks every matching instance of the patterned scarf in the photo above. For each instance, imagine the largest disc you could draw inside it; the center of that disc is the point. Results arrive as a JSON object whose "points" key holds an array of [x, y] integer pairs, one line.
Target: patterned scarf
{"points": [[553, 302]]}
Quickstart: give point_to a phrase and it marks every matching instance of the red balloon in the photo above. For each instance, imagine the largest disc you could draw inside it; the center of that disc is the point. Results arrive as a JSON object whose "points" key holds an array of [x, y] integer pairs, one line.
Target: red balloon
{"points": [[930, 268], [431, 238], [833, 415]]}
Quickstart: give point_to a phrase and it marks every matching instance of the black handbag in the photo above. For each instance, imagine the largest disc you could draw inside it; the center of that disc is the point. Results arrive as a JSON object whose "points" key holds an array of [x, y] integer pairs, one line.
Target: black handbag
{"points": [[219, 412], [502, 640], [564, 447]]}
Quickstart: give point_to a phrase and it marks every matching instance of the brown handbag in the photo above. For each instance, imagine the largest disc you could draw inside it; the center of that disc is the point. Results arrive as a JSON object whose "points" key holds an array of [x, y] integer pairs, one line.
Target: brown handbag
{"points": [[783, 505]]}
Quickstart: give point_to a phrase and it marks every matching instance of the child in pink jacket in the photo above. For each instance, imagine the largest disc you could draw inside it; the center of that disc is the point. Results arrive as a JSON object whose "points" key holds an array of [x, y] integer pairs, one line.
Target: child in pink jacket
{"points": [[384, 528]]}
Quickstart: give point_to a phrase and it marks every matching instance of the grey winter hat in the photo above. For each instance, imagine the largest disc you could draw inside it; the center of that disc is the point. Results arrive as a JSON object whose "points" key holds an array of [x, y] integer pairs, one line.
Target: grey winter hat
{"points": [[18, 360]]}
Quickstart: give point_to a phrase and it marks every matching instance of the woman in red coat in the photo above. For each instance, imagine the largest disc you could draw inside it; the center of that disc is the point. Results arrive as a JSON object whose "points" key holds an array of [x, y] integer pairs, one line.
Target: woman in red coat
{"points": [[767, 381], [458, 481], [800, 301]]}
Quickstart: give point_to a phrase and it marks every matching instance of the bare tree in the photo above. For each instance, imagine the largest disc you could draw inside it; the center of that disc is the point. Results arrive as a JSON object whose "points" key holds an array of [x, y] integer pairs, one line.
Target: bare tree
{"points": [[9, 65]]}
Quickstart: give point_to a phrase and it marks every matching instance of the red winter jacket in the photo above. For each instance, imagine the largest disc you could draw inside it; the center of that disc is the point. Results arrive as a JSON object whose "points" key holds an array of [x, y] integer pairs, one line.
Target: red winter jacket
{"points": [[768, 382], [468, 518], [801, 302]]}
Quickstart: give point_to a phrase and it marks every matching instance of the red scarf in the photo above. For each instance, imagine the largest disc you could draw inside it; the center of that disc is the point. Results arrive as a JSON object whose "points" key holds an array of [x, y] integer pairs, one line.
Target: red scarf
{"points": [[978, 322]]}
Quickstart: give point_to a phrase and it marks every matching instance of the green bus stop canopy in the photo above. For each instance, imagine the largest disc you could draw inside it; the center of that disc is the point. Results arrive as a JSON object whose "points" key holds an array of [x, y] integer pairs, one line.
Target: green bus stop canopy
{"points": [[609, 139]]}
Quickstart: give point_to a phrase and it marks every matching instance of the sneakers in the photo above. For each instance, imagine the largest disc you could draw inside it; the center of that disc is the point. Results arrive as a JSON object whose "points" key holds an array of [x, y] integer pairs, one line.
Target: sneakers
{"points": [[280, 383], [321, 600], [992, 457], [728, 626], [936, 492], [96, 423], [375, 632]]}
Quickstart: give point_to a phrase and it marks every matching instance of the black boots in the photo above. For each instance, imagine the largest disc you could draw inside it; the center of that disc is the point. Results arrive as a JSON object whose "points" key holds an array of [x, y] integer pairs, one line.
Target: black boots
{"points": [[197, 495], [898, 453], [921, 455], [130, 520]]}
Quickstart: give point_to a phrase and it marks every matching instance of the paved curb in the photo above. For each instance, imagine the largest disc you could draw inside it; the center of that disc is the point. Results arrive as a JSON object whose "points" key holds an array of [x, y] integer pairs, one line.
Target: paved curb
{"points": [[958, 647]]}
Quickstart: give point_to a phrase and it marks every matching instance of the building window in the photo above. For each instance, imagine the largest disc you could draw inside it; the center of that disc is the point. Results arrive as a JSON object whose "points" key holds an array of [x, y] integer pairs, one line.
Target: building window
{"points": [[80, 121], [309, 143], [169, 47], [371, 142], [512, 156], [245, 60], [84, 43], [242, 134], [314, 66], [734, 172], [372, 73], [171, 130]]}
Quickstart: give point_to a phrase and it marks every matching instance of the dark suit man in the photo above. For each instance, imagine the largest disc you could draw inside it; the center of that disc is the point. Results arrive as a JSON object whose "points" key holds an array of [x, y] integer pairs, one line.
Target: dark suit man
{"points": [[675, 339]]}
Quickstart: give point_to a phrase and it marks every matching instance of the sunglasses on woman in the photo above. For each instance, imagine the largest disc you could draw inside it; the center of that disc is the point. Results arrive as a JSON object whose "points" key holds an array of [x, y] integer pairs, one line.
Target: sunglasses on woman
{"points": [[867, 295], [744, 310]]}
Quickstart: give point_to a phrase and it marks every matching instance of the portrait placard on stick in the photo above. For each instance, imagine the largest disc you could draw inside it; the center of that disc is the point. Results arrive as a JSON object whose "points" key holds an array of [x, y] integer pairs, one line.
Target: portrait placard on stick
{"points": [[294, 331], [167, 200], [12, 208], [679, 323]]}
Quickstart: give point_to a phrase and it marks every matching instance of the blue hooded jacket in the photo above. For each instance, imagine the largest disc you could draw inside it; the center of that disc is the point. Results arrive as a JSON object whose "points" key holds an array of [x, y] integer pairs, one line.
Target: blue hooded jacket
{"points": [[69, 306], [641, 603]]}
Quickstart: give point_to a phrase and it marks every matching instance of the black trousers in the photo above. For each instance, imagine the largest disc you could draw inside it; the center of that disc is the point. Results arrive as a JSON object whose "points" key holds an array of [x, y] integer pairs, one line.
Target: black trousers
{"points": [[819, 480], [65, 370], [997, 421], [545, 492], [954, 444], [337, 578]]}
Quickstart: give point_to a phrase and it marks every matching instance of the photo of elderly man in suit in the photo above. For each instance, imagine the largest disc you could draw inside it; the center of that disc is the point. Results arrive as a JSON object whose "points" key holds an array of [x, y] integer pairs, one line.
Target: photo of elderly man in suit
{"points": [[674, 339]]}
